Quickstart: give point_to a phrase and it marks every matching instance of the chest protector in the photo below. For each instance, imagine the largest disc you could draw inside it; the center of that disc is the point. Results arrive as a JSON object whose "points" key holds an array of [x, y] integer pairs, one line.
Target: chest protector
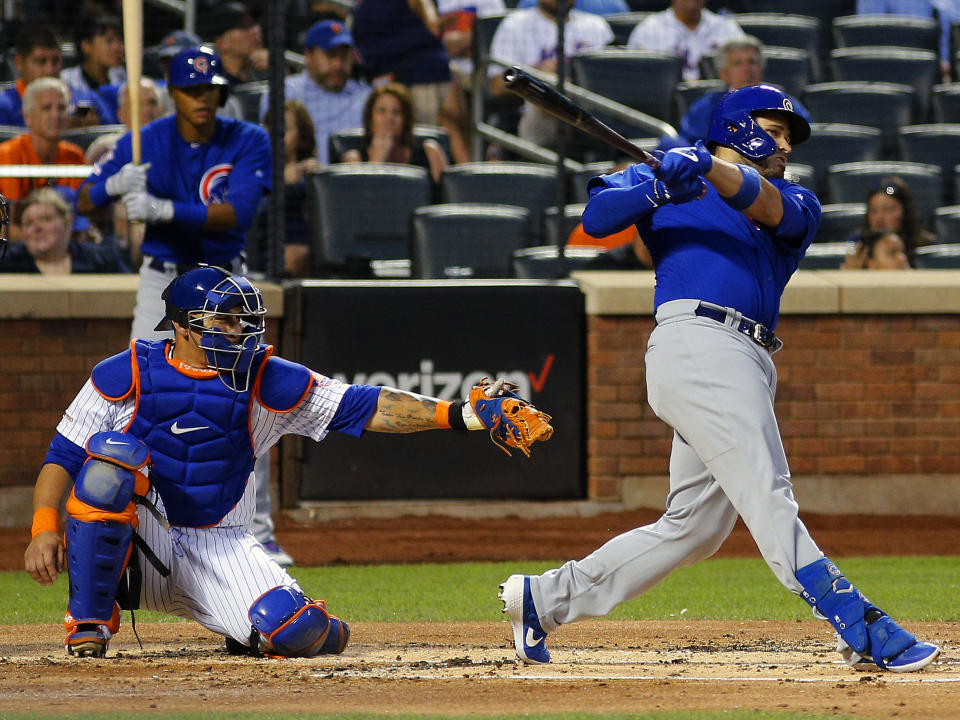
{"points": [[198, 432]]}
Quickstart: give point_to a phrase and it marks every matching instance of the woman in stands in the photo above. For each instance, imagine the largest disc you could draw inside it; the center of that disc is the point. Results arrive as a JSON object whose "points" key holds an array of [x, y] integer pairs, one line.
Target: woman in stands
{"points": [[388, 133], [890, 206], [46, 247]]}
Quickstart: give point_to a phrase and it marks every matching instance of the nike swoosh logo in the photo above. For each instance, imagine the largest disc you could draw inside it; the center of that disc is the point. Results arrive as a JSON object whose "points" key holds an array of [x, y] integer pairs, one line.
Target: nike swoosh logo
{"points": [[177, 430], [531, 640], [109, 441]]}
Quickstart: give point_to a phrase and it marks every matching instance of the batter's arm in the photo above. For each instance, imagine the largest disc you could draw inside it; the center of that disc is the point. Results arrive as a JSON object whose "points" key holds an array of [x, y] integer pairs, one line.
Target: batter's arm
{"points": [[727, 179], [45, 556]]}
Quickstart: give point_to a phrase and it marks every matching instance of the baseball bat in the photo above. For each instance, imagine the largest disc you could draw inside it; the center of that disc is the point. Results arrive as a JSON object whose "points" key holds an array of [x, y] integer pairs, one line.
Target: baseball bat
{"points": [[133, 56], [564, 109]]}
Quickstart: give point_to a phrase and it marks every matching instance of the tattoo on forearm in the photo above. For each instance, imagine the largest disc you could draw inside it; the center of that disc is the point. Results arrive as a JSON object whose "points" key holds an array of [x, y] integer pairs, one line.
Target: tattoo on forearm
{"points": [[403, 412]]}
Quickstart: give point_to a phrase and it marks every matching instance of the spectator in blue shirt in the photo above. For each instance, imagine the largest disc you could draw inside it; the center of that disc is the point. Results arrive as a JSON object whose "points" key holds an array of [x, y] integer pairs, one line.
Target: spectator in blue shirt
{"points": [[597, 7], [100, 43], [38, 55]]}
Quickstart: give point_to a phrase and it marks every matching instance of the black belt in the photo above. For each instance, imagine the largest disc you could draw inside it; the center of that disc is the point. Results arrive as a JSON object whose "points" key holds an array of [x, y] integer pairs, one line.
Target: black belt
{"points": [[760, 334], [234, 266]]}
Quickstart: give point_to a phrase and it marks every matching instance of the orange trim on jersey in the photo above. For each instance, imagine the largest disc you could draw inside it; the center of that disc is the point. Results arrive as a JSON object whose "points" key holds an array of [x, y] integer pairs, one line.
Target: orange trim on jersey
{"points": [[79, 510], [255, 393], [313, 381], [45, 519], [442, 414], [188, 370]]}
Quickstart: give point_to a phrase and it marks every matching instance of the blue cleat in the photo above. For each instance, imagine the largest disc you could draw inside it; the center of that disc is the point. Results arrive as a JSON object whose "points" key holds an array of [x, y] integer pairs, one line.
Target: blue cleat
{"points": [[916, 657], [528, 636]]}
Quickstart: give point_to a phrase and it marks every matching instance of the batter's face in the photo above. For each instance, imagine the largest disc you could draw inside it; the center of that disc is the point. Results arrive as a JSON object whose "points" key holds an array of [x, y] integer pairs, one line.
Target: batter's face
{"points": [[41, 62], [330, 69], [197, 104], [44, 231], [776, 126]]}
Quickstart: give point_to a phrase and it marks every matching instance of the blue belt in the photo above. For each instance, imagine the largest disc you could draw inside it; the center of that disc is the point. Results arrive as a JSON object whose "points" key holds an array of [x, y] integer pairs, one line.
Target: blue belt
{"points": [[235, 266], [760, 334]]}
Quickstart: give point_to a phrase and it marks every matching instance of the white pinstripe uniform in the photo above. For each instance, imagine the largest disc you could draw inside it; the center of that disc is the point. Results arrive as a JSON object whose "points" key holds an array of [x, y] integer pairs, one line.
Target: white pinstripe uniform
{"points": [[216, 572]]}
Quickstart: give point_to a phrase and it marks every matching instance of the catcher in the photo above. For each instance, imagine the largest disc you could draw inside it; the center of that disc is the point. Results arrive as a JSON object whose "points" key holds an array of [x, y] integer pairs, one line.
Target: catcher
{"points": [[159, 447]]}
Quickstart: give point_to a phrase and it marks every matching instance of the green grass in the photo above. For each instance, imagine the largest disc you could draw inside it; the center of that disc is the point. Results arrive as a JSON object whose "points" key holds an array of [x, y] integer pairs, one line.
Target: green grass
{"points": [[909, 588], [692, 715]]}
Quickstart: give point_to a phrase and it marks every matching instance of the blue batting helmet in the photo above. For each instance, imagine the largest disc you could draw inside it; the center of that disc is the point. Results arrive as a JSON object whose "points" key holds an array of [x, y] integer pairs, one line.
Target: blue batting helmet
{"points": [[200, 299], [732, 122], [198, 66]]}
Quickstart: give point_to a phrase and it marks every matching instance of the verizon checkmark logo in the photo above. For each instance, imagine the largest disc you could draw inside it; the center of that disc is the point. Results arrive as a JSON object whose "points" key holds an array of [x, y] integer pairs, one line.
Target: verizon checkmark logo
{"points": [[177, 430]]}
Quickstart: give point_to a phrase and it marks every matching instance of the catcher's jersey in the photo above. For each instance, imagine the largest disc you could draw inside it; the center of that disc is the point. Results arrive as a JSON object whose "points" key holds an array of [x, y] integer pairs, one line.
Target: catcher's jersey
{"points": [[705, 249], [233, 166]]}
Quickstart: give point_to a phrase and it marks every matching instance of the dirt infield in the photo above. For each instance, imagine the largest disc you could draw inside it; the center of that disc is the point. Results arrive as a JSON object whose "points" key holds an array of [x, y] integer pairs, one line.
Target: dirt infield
{"points": [[471, 668]]}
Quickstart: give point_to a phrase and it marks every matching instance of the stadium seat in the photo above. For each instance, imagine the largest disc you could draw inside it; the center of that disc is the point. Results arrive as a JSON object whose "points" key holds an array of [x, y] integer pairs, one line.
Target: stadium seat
{"points": [[906, 30], [340, 142], [802, 175], [361, 212], [484, 29], [943, 256], [687, 92], [887, 106], [623, 24], [946, 224], [946, 103], [783, 30], [788, 69], [839, 221], [937, 144], [557, 227], [528, 185], [249, 94], [543, 263], [832, 143], [850, 183], [640, 79], [824, 256], [84, 136], [465, 240], [918, 68]]}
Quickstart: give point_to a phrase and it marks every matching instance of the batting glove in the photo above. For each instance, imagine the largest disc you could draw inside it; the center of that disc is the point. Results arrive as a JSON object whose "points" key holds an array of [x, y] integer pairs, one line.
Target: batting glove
{"points": [[130, 178], [659, 193], [144, 207], [684, 163]]}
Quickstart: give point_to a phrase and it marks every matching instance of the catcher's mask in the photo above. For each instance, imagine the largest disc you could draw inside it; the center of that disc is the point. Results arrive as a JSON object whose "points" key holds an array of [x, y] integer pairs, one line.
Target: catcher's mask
{"points": [[226, 311], [4, 224], [732, 122]]}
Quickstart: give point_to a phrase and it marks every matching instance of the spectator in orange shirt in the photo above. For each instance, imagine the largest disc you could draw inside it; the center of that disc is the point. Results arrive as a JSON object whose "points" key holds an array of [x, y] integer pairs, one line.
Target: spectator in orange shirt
{"points": [[45, 104]]}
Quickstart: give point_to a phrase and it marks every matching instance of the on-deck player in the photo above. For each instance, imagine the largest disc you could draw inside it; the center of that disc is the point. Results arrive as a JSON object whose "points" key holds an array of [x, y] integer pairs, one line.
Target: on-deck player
{"points": [[722, 261], [199, 185], [196, 411]]}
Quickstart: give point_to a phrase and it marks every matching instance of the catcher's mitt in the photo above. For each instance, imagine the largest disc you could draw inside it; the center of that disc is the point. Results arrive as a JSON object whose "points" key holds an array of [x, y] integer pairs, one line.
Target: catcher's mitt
{"points": [[511, 420]]}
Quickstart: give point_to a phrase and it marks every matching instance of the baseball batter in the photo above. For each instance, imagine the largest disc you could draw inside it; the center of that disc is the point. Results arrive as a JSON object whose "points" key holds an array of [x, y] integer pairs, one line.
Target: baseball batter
{"points": [[159, 446], [726, 231]]}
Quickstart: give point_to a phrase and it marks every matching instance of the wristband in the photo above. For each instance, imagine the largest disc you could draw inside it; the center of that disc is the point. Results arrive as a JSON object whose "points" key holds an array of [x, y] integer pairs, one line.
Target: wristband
{"points": [[442, 414], [749, 190], [190, 214], [44, 519], [455, 417]]}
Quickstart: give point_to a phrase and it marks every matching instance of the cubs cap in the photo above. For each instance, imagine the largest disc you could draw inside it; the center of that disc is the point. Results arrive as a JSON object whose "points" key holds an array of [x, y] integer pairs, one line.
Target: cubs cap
{"points": [[327, 34]]}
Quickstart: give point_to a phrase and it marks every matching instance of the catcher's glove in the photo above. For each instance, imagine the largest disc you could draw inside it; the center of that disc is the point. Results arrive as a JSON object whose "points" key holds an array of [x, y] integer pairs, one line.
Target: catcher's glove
{"points": [[511, 420]]}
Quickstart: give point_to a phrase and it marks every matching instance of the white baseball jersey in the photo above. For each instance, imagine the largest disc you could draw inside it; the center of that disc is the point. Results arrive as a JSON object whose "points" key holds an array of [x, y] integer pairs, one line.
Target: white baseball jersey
{"points": [[529, 37], [663, 31], [216, 573]]}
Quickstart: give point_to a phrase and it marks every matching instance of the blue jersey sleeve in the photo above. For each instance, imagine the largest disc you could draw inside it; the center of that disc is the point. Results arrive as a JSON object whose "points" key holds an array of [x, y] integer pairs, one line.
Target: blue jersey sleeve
{"points": [[251, 176], [357, 406], [613, 204], [66, 454], [801, 217]]}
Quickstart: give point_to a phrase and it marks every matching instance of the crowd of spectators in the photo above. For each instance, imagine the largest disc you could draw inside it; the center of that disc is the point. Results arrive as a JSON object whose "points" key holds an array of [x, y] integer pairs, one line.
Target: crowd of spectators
{"points": [[383, 66]]}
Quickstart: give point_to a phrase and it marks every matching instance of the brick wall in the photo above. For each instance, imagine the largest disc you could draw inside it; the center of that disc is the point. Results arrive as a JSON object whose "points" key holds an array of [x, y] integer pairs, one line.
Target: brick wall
{"points": [[857, 395]]}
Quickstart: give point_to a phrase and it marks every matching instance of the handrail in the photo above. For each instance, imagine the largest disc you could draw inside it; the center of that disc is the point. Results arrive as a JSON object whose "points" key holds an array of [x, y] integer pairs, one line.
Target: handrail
{"points": [[525, 148]]}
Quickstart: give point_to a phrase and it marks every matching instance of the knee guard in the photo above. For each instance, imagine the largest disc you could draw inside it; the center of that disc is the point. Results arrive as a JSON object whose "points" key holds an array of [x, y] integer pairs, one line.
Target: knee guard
{"points": [[100, 527], [289, 624], [868, 631]]}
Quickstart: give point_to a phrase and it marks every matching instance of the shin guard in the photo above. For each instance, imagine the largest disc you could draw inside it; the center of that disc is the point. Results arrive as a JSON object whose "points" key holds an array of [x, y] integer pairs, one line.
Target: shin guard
{"points": [[292, 625]]}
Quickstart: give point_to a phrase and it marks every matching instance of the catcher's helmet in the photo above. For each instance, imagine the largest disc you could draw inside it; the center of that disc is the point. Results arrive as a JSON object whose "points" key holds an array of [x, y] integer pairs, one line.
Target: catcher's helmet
{"points": [[732, 121], [4, 224], [198, 66], [200, 299]]}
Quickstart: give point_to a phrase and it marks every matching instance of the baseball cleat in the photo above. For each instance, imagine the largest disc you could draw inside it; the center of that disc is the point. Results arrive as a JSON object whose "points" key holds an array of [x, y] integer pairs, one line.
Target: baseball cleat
{"points": [[277, 554], [916, 657], [528, 636], [337, 637], [88, 640]]}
